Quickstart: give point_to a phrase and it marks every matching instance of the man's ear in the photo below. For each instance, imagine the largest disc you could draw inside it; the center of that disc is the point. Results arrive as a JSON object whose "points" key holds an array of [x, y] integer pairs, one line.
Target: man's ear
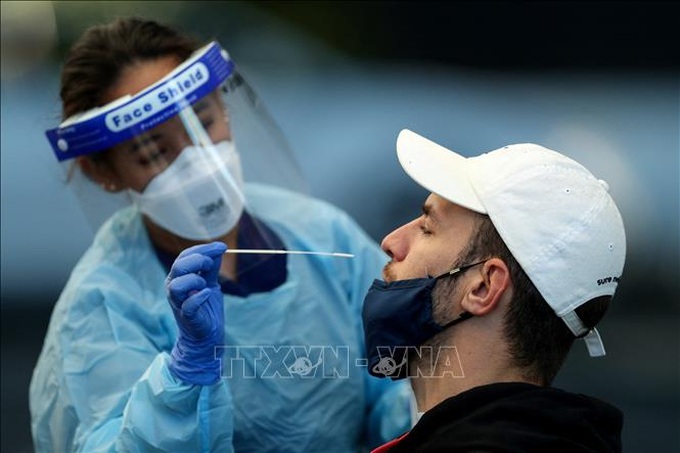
{"points": [[490, 285], [100, 173]]}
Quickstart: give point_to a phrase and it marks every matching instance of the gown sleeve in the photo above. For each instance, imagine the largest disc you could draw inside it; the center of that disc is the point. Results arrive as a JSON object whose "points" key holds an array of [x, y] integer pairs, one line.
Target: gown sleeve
{"points": [[108, 380]]}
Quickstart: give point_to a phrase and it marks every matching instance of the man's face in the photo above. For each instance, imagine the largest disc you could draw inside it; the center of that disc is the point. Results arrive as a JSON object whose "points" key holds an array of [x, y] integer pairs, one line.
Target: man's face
{"points": [[430, 244]]}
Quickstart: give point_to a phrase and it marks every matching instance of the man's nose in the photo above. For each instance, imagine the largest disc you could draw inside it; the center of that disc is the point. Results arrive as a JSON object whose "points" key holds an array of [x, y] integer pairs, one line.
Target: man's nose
{"points": [[396, 243]]}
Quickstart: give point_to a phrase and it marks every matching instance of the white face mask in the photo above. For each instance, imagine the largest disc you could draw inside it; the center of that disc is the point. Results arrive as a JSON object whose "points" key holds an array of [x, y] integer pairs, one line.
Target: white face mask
{"points": [[199, 196]]}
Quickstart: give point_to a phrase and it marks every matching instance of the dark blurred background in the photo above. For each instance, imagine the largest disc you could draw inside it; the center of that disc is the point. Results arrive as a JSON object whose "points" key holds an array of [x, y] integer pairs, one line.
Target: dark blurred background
{"points": [[598, 81]]}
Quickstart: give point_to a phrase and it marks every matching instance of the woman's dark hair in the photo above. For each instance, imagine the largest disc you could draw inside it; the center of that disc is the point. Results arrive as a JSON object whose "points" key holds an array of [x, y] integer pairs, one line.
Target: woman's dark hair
{"points": [[97, 59]]}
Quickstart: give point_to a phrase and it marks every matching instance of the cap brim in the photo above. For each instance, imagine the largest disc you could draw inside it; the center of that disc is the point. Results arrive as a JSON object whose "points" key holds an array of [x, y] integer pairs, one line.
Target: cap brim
{"points": [[437, 169]]}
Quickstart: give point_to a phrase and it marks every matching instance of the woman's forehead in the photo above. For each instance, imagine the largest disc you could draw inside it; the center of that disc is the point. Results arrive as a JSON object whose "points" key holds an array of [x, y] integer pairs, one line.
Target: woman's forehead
{"points": [[140, 75]]}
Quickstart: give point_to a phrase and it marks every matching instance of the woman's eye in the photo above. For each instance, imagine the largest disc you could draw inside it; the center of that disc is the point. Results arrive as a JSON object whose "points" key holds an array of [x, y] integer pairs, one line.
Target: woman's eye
{"points": [[143, 162], [152, 157], [424, 230], [207, 123]]}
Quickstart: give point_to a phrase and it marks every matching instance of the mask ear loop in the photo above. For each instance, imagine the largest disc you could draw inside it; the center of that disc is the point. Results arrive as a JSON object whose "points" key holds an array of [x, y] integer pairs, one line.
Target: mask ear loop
{"points": [[460, 269], [465, 315]]}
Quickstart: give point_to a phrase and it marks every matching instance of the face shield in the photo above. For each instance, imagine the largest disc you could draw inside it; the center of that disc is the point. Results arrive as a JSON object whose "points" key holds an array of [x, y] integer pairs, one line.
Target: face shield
{"points": [[184, 151]]}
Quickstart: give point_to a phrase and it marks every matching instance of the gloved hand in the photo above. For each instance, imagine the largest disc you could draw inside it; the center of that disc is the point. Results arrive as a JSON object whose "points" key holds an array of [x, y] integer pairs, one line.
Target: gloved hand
{"points": [[197, 303]]}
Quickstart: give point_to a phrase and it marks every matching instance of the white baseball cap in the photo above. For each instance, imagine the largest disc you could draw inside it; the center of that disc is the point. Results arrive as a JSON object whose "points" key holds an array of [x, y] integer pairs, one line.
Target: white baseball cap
{"points": [[556, 218]]}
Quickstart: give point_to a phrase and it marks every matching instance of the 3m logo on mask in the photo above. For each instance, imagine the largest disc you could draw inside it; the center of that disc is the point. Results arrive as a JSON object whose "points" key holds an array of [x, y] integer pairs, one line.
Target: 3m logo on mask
{"points": [[212, 208], [426, 361]]}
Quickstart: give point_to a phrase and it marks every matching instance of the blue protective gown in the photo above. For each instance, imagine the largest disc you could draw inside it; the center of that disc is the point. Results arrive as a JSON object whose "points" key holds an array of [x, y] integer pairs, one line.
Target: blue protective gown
{"points": [[294, 380]]}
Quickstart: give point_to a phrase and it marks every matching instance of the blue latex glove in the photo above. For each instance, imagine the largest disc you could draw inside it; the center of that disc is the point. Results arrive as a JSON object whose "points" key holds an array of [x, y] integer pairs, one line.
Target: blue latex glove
{"points": [[197, 303]]}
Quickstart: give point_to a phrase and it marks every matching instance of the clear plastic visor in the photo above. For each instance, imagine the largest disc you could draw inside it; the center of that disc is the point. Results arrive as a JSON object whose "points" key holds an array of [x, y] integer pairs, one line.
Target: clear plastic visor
{"points": [[191, 175]]}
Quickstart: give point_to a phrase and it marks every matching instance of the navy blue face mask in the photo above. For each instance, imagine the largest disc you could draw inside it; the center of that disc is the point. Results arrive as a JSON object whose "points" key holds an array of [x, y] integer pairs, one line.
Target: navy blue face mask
{"points": [[397, 317]]}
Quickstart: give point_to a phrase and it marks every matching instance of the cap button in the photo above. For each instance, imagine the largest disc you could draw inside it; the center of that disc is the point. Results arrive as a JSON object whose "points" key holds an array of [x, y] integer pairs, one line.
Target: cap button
{"points": [[604, 184]]}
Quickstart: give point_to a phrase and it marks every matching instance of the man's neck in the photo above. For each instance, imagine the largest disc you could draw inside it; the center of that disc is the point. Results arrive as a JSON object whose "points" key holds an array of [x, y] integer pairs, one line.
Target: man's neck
{"points": [[458, 369], [430, 391]]}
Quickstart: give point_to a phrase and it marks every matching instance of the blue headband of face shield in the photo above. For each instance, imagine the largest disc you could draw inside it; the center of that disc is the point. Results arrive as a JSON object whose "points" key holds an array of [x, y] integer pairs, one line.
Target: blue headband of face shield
{"points": [[124, 118], [397, 317]]}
